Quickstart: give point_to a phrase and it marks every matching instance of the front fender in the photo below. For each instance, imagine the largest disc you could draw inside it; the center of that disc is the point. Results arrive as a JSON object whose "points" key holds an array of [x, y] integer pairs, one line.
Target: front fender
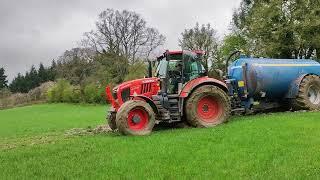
{"points": [[110, 98], [148, 100], [190, 86]]}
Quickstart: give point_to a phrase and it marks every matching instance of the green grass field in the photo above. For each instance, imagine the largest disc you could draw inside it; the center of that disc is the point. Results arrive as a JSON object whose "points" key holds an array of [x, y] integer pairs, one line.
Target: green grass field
{"points": [[34, 145]]}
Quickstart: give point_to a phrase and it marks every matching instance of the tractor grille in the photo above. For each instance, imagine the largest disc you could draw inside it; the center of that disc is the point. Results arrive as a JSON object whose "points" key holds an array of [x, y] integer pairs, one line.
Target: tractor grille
{"points": [[145, 88]]}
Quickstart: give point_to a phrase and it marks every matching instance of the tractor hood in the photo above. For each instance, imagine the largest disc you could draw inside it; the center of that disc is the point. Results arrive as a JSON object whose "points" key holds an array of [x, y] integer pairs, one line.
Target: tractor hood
{"points": [[135, 82], [138, 87]]}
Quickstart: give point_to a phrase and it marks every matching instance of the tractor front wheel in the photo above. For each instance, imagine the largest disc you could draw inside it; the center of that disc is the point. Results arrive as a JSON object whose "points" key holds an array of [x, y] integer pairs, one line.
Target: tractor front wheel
{"points": [[111, 120], [135, 117], [207, 106]]}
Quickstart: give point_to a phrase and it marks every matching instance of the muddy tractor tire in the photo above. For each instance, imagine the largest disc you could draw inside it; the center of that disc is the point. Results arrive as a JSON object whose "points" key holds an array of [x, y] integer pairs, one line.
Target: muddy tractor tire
{"points": [[135, 117], [207, 106], [111, 120], [308, 97]]}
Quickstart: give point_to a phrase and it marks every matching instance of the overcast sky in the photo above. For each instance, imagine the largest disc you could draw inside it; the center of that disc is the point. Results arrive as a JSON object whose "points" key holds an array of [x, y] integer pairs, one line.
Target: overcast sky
{"points": [[34, 31]]}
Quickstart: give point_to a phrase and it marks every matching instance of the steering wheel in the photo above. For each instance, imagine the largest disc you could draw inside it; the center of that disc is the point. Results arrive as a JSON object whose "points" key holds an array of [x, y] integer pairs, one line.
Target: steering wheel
{"points": [[174, 74]]}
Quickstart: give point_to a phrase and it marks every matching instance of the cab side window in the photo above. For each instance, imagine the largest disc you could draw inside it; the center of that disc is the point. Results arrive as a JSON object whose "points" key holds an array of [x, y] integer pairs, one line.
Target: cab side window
{"points": [[192, 70]]}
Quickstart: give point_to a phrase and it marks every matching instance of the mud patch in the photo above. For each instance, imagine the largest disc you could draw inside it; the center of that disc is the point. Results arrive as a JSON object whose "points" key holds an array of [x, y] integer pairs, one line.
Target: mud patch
{"points": [[12, 143], [7, 144], [101, 129]]}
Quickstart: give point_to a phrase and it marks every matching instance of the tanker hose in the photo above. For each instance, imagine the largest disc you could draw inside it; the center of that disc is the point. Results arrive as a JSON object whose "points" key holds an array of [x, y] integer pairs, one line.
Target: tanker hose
{"points": [[229, 58]]}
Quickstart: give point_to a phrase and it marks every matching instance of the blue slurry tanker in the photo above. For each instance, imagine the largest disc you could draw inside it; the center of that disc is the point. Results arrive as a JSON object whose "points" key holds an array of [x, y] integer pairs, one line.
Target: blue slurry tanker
{"points": [[270, 83]]}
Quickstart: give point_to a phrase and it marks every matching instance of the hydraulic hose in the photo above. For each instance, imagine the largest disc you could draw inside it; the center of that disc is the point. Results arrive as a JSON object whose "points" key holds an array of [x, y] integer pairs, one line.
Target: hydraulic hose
{"points": [[229, 58]]}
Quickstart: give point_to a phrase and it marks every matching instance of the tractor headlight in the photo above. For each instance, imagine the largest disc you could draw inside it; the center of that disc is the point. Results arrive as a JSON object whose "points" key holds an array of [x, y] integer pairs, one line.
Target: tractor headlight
{"points": [[114, 93]]}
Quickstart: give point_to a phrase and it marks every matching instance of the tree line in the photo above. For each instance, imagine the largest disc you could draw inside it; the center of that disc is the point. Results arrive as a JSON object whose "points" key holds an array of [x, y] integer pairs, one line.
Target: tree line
{"points": [[279, 28], [118, 48], [23, 83]]}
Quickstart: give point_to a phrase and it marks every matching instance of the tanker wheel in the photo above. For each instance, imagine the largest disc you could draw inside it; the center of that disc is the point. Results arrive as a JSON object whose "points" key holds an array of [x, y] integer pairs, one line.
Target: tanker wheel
{"points": [[135, 117], [308, 97], [111, 120], [207, 106]]}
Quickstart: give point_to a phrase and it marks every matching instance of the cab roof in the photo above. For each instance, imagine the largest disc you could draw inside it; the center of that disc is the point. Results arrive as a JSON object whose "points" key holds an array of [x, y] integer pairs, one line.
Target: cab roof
{"points": [[180, 52]]}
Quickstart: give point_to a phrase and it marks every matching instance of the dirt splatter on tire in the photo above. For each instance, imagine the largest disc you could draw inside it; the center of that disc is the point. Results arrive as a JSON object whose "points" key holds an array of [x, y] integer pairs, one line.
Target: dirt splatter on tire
{"points": [[135, 117], [111, 120], [308, 97], [207, 106]]}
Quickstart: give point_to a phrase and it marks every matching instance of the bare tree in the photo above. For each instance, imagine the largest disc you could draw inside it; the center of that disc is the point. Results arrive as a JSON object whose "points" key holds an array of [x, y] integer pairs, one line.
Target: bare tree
{"points": [[154, 41], [123, 33], [201, 38], [75, 65]]}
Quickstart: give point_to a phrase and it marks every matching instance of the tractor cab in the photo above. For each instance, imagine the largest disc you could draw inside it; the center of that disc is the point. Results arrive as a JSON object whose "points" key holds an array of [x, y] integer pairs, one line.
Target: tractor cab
{"points": [[175, 68]]}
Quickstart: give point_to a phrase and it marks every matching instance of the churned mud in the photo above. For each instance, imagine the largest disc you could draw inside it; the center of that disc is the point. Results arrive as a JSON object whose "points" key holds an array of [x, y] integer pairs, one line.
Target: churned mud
{"points": [[100, 129]]}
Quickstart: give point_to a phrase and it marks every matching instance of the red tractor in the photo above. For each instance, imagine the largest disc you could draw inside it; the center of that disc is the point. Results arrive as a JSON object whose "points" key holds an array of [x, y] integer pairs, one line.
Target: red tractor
{"points": [[179, 91]]}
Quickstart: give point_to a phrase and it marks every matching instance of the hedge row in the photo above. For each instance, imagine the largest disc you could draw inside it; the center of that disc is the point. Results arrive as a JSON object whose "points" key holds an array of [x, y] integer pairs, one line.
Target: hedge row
{"points": [[63, 91], [36, 95]]}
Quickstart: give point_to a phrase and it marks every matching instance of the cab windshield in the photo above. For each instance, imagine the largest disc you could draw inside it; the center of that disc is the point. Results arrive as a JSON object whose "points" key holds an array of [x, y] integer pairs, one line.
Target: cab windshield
{"points": [[188, 63]]}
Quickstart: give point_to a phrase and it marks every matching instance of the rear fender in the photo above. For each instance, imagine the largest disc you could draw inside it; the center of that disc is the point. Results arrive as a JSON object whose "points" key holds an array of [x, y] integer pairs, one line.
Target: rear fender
{"points": [[194, 84], [294, 87], [148, 100]]}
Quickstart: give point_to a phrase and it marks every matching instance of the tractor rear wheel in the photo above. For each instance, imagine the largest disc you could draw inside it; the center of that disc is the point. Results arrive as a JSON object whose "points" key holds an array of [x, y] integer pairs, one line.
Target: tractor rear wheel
{"points": [[135, 117], [308, 97], [207, 106]]}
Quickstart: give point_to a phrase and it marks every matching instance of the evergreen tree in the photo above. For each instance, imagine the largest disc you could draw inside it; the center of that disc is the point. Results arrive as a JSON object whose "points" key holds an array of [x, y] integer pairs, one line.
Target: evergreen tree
{"points": [[17, 84], [52, 71], [33, 78], [27, 82], [3, 79], [42, 74]]}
